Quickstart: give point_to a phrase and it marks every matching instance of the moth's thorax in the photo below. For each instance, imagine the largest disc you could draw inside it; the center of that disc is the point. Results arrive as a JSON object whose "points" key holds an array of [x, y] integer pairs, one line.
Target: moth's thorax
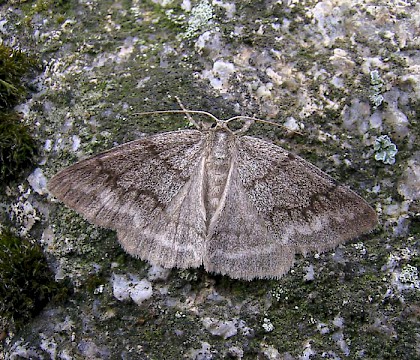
{"points": [[218, 163]]}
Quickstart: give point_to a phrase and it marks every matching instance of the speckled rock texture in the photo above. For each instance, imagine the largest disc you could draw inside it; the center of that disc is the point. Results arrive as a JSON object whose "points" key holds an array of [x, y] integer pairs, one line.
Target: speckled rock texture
{"points": [[345, 74]]}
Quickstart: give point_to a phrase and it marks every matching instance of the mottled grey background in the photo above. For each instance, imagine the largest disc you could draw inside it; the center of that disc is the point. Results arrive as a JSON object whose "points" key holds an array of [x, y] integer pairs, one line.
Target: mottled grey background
{"points": [[343, 72]]}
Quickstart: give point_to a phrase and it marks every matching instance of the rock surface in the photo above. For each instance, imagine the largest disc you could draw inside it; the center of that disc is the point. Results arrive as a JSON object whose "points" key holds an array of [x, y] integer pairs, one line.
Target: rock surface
{"points": [[343, 72]]}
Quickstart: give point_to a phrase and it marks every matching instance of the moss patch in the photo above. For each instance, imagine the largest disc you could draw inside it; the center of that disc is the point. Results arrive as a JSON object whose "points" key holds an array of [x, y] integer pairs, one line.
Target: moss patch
{"points": [[17, 147], [26, 282], [14, 65]]}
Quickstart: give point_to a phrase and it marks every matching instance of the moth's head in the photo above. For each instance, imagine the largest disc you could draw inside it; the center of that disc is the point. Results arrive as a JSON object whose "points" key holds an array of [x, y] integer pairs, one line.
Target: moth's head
{"points": [[234, 125]]}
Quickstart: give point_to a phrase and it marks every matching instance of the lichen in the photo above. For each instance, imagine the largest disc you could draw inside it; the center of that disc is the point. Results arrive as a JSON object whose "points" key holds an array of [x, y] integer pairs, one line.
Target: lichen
{"points": [[385, 150], [23, 214], [267, 325], [198, 22], [376, 89], [409, 275]]}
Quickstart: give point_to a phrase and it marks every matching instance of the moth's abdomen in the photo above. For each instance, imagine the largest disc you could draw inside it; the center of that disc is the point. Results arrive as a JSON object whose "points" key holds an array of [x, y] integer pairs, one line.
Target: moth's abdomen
{"points": [[218, 165]]}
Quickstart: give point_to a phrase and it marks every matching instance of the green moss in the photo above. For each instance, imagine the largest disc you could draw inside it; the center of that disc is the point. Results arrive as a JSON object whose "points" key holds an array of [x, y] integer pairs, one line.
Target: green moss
{"points": [[353, 291], [240, 288], [26, 282], [17, 146], [41, 6], [94, 281], [14, 65]]}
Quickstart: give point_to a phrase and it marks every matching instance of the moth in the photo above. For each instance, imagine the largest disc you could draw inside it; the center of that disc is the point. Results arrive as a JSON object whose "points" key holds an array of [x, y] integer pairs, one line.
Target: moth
{"points": [[212, 196]]}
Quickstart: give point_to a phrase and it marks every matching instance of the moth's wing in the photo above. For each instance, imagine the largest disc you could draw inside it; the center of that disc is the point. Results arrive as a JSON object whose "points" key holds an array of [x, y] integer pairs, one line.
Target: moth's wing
{"points": [[239, 242], [176, 236], [287, 206], [146, 190]]}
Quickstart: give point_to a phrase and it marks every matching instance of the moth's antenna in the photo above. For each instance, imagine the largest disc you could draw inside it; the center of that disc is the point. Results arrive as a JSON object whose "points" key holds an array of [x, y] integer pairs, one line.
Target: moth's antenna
{"points": [[187, 113], [189, 117], [177, 112], [183, 111], [253, 119]]}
